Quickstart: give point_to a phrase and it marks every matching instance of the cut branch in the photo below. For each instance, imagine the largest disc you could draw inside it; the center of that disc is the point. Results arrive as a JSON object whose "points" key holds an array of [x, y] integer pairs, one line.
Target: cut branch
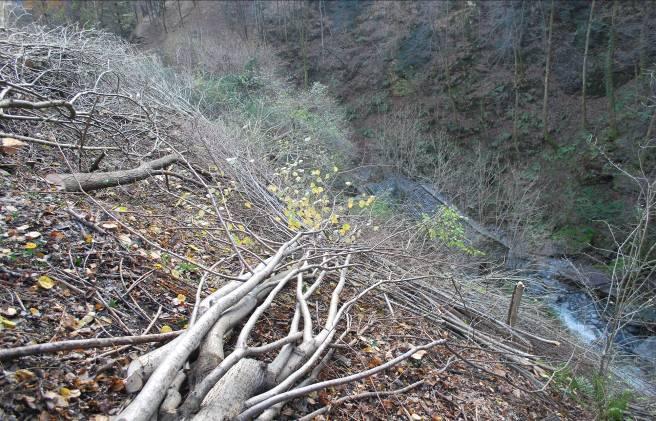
{"points": [[48, 348], [94, 181]]}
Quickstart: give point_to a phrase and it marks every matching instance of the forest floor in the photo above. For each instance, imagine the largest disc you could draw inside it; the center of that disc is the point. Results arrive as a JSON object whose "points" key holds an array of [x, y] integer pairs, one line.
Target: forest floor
{"points": [[65, 273]]}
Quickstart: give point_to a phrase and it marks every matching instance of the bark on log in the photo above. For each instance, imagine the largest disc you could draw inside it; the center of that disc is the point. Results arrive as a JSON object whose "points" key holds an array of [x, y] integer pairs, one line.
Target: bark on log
{"points": [[226, 400], [93, 181], [211, 349]]}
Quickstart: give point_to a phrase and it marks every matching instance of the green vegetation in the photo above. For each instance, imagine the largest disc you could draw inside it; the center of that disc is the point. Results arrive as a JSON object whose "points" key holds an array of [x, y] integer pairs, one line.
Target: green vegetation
{"points": [[447, 227], [610, 405]]}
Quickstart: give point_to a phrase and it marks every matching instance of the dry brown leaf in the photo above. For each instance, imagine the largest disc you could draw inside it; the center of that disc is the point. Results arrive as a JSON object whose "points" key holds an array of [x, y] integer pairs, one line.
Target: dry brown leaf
{"points": [[10, 146], [374, 362]]}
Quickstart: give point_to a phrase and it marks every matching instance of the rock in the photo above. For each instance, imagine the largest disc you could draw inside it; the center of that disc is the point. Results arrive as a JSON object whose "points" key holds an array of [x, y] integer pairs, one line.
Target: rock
{"points": [[647, 349], [588, 277]]}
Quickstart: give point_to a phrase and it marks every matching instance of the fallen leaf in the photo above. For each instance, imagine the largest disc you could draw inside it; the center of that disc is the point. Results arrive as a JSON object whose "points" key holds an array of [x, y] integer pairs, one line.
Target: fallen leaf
{"points": [[165, 329], [32, 235], [10, 146], [109, 226], [374, 362], [10, 312], [7, 323], [56, 235], [419, 354], [117, 385], [180, 299], [88, 318], [23, 374], [45, 282], [57, 399], [22, 228], [125, 240], [30, 246]]}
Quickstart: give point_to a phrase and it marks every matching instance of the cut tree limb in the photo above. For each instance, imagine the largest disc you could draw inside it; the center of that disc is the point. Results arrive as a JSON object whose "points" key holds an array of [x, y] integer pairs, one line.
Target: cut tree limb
{"points": [[58, 145], [37, 349], [94, 181]]}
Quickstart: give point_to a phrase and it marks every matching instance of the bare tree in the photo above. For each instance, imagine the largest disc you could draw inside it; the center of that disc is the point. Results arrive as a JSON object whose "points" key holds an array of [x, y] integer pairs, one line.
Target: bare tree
{"points": [[584, 112], [633, 268], [547, 67], [610, 84]]}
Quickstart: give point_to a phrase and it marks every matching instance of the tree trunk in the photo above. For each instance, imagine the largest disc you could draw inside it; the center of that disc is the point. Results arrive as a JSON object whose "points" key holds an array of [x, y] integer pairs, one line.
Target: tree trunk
{"points": [[163, 15], [584, 113], [515, 135], [95, 181], [180, 14], [545, 101], [610, 87], [321, 23]]}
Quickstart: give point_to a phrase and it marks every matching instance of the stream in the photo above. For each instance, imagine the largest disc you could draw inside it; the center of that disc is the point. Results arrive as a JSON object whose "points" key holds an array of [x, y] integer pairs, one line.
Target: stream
{"points": [[635, 363]]}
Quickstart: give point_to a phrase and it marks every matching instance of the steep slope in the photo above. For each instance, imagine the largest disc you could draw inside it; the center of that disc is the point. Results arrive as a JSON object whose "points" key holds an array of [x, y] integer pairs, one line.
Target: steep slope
{"points": [[248, 202]]}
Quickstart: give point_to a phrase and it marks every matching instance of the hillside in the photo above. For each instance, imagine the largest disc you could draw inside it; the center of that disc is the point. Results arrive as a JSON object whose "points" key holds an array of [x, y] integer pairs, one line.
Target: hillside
{"points": [[315, 210]]}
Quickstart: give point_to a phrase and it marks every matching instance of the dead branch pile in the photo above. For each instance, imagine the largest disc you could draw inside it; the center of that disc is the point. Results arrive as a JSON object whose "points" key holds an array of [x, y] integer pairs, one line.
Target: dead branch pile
{"points": [[66, 90]]}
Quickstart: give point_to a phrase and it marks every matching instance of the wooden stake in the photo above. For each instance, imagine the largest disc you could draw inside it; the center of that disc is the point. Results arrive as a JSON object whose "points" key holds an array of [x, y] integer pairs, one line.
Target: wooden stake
{"points": [[514, 304]]}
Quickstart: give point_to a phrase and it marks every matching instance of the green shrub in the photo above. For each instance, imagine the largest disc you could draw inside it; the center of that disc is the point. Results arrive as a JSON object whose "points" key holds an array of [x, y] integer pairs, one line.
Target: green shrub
{"points": [[382, 208], [447, 227]]}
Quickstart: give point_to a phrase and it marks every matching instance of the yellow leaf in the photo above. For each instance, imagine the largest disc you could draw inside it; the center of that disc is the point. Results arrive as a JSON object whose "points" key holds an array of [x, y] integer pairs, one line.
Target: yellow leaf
{"points": [[181, 298], [31, 246], [350, 203], [335, 169], [121, 209], [88, 238], [248, 205], [23, 374], [334, 219], [45, 282], [165, 329], [34, 311], [272, 188], [362, 203], [345, 229], [7, 323], [65, 392]]}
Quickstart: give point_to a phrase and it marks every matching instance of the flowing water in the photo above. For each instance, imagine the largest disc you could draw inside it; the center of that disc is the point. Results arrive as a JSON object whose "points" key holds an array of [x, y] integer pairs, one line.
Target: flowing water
{"points": [[575, 308], [580, 313]]}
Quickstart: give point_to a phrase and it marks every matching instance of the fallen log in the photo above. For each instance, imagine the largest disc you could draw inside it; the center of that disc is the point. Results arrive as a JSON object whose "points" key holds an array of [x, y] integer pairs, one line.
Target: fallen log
{"points": [[93, 181]]}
